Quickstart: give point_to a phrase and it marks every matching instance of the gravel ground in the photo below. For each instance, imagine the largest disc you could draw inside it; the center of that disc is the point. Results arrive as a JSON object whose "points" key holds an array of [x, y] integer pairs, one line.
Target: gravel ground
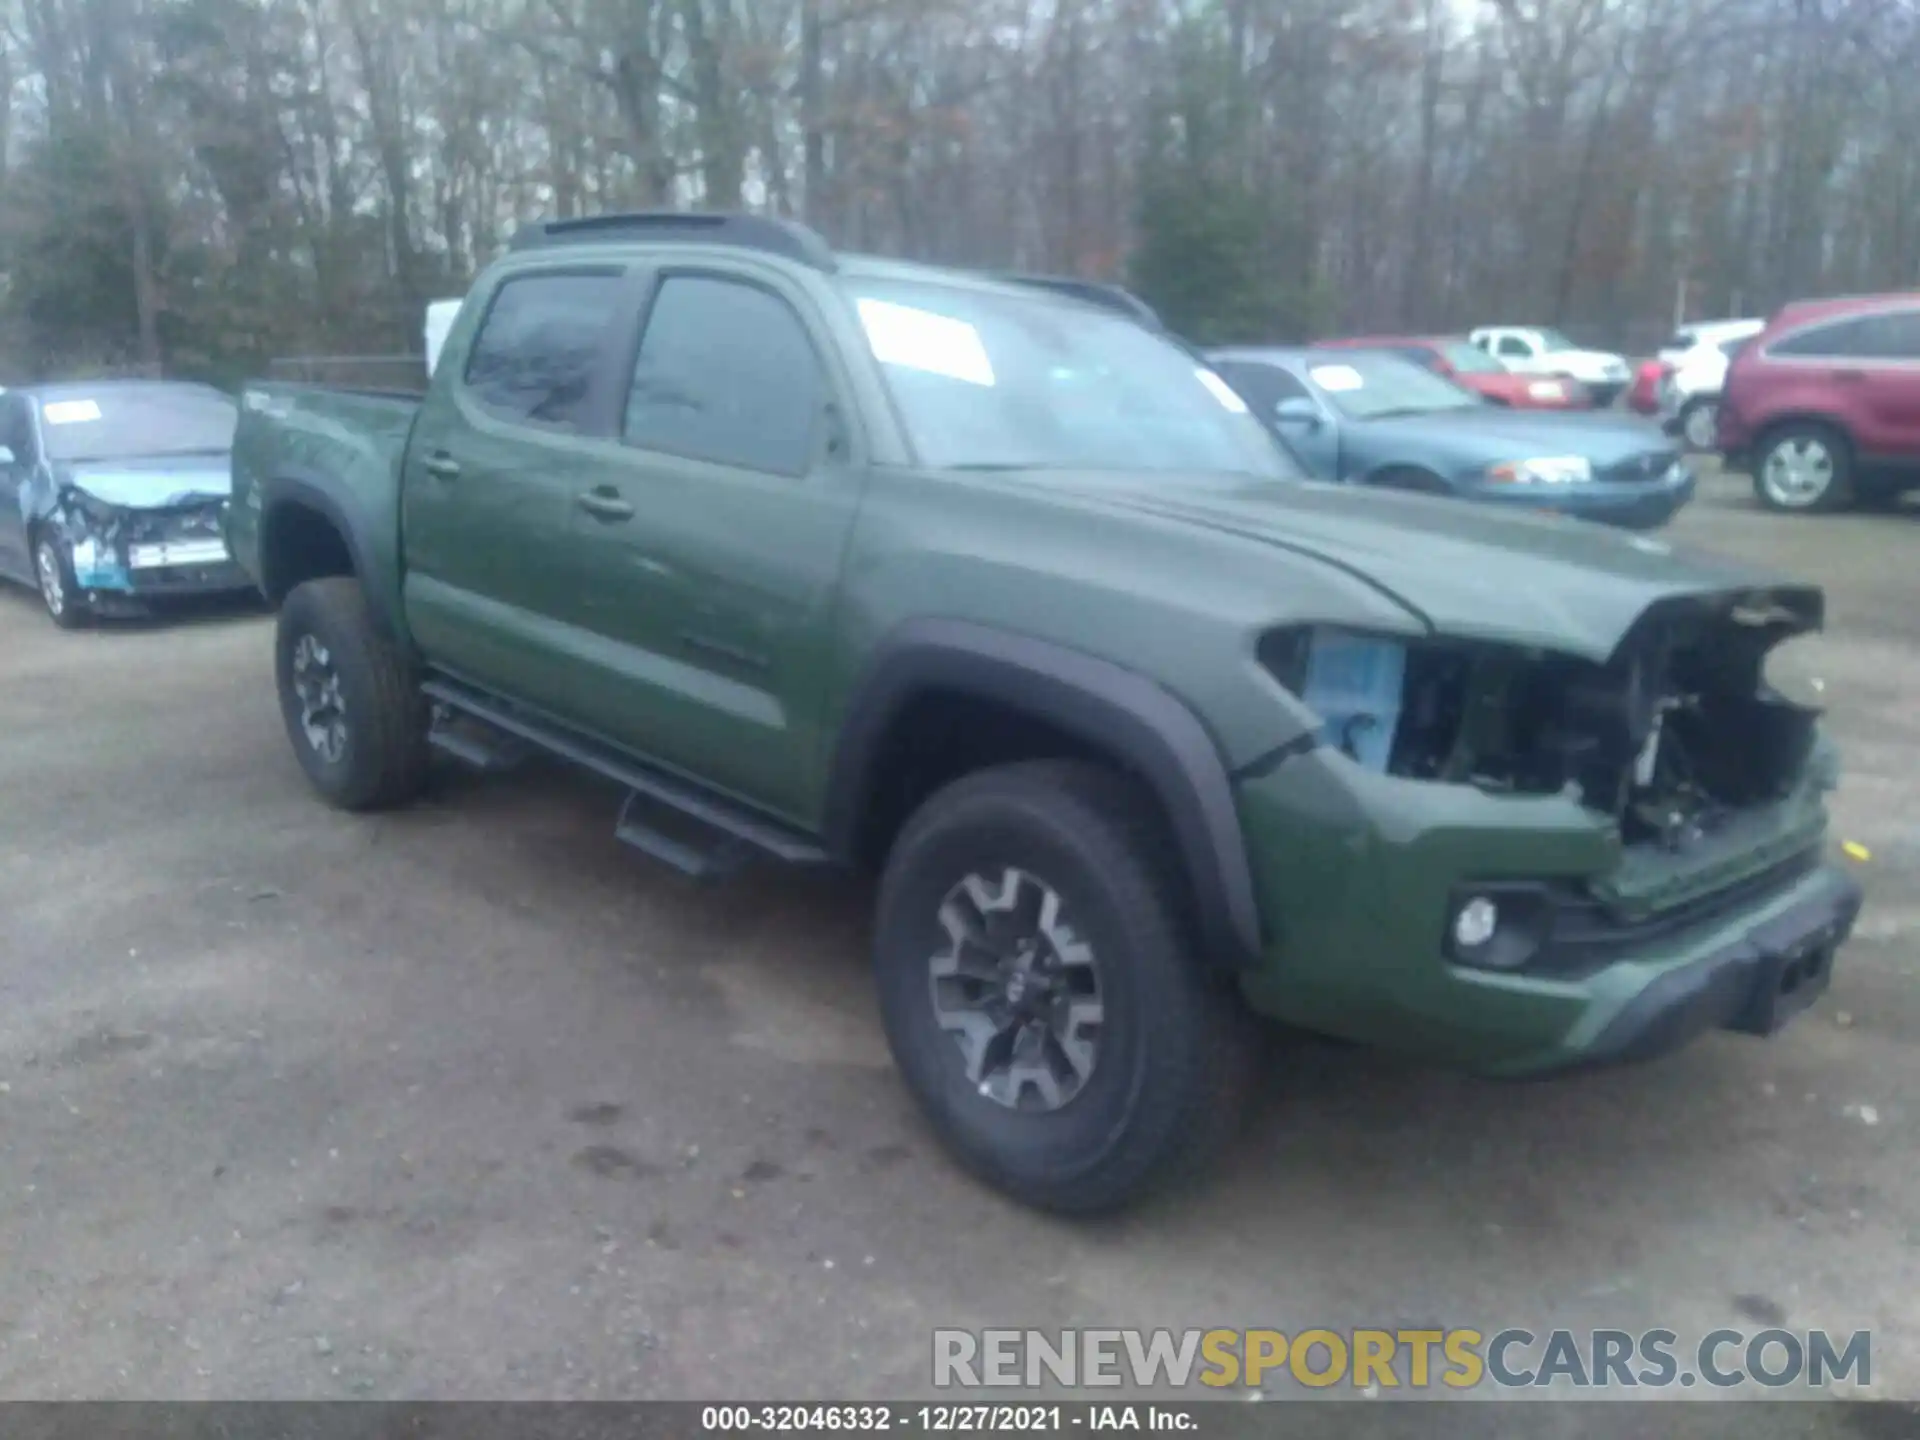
{"points": [[470, 1101]]}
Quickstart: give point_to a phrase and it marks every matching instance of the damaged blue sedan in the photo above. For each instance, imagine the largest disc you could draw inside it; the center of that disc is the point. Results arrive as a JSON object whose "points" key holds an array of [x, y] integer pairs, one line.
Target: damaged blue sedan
{"points": [[111, 494]]}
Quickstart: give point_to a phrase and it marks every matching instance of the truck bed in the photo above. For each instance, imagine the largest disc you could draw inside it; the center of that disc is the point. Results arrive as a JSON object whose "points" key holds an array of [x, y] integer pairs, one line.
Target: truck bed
{"points": [[346, 444]]}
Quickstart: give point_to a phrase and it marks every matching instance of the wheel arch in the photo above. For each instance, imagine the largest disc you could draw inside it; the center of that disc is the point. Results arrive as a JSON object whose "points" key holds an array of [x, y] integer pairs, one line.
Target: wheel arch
{"points": [[308, 532], [1769, 429], [1102, 709]]}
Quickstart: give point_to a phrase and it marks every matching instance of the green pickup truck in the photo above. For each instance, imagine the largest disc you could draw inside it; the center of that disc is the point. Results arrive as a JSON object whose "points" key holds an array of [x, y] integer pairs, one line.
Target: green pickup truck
{"points": [[1000, 594]]}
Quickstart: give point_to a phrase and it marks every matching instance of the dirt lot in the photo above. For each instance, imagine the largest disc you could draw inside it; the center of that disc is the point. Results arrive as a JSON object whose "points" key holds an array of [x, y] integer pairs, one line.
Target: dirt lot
{"points": [[471, 1101]]}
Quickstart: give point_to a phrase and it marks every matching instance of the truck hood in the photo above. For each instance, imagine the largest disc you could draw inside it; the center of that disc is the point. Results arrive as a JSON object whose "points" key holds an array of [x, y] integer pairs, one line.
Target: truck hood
{"points": [[1473, 571], [156, 484]]}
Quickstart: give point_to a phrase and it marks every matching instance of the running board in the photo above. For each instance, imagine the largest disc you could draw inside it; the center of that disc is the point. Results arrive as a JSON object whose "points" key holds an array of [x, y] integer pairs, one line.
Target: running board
{"points": [[474, 743], [676, 821]]}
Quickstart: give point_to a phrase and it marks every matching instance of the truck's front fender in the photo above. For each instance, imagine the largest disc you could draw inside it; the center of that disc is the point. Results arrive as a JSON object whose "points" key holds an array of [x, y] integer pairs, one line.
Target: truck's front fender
{"points": [[1111, 709]]}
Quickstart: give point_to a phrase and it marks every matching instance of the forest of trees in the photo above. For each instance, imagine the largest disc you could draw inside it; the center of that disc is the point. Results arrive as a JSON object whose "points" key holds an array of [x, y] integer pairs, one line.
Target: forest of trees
{"points": [[200, 185]]}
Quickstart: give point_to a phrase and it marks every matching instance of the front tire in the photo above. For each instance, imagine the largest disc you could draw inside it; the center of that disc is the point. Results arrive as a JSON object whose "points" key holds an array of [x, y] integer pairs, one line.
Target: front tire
{"points": [[1803, 468], [60, 592], [350, 698], [1043, 994]]}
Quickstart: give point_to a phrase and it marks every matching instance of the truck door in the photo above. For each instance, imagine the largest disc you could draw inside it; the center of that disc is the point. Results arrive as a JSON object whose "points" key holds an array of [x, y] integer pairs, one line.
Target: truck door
{"points": [[513, 430], [710, 538]]}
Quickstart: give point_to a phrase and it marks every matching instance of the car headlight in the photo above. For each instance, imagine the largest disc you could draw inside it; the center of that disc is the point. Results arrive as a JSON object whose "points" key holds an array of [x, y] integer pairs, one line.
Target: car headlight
{"points": [[1543, 470], [1547, 390]]}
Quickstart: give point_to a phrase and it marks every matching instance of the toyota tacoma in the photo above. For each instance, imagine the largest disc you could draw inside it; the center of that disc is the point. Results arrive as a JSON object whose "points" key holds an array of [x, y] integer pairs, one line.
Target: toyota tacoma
{"points": [[1002, 595]]}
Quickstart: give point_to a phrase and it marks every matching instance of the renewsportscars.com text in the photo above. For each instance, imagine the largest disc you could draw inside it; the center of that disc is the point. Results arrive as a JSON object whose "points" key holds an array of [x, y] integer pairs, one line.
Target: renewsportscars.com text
{"points": [[1380, 1359]]}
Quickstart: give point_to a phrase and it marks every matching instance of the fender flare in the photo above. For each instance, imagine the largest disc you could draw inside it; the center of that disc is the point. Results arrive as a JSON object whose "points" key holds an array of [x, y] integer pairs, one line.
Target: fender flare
{"points": [[316, 492], [1111, 708]]}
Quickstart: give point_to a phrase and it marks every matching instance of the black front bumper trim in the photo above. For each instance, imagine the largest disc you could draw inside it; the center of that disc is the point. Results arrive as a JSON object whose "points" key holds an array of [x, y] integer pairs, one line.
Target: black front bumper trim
{"points": [[1754, 985]]}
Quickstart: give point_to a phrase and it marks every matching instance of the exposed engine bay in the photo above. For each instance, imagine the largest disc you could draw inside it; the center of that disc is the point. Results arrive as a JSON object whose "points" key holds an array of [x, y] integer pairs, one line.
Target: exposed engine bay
{"points": [[1679, 728], [111, 547]]}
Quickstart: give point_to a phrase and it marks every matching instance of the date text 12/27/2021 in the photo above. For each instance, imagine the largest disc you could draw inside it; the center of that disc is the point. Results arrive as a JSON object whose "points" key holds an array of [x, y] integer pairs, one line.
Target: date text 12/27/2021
{"points": [[963, 1419]]}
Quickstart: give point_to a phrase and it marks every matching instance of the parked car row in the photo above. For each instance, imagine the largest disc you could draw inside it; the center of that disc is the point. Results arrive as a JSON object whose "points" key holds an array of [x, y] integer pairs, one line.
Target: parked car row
{"points": [[112, 492]]}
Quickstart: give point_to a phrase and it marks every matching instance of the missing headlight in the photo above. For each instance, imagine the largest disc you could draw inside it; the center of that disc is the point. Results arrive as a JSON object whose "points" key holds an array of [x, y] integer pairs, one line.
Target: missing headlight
{"points": [[1677, 731]]}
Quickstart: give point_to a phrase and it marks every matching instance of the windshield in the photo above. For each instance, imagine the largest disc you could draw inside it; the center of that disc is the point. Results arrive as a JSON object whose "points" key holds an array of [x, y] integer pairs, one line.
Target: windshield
{"points": [[1554, 340], [985, 380], [144, 424], [1370, 386], [1470, 359]]}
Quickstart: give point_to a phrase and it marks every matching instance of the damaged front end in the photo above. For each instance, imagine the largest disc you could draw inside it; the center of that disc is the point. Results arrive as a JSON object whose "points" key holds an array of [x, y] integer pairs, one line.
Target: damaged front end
{"points": [[126, 553], [1529, 860], [1672, 738]]}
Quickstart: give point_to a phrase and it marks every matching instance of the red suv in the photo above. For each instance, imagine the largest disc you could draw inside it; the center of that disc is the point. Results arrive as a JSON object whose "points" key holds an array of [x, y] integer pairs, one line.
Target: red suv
{"points": [[1823, 406], [1471, 368]]}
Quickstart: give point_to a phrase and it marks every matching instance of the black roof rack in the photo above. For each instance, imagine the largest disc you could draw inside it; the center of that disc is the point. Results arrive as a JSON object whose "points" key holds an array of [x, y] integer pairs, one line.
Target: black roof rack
{"points": [[752, 232], [1095, 292]]}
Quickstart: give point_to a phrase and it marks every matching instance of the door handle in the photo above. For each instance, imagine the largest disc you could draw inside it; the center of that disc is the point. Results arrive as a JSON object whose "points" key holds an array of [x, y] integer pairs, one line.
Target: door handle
{"points": [[603, 505], [441, 466]]}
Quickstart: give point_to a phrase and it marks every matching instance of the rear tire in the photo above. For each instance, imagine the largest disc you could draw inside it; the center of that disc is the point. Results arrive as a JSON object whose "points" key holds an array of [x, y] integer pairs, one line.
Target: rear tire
{"points": [[350, 698], [1151, 1084], [1803, 468]]}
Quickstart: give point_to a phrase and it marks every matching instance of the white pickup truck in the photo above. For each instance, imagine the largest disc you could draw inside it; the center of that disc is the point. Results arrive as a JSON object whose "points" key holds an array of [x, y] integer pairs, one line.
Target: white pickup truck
{"points": [[1540, 350]]}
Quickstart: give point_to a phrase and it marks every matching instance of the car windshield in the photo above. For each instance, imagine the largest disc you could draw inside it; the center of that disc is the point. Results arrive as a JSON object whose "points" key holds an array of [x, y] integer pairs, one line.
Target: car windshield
{"points": [[1470, 359], [1554, 340], [1370, 386], [985, 380], [144, 424]]}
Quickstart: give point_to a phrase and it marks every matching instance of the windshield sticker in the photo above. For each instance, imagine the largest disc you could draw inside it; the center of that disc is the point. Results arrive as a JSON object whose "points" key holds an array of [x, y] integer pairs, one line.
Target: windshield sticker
{"points": [[1337, 379], [1221, 391], [921, 340], [69, 412]]}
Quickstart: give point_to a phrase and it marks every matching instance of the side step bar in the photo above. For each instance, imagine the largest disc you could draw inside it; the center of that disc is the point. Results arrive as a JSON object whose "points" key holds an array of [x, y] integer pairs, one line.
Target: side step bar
{"points": [[676, 821]]}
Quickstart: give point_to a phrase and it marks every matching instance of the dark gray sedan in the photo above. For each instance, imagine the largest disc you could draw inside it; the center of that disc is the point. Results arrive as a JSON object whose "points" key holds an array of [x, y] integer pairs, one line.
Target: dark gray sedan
{"points": [[1373, 418]]}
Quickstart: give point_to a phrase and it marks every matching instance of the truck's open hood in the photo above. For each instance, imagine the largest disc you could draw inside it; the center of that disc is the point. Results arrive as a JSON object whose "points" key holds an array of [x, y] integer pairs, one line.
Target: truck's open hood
{"points": [[1475, 571], [156, 484]]}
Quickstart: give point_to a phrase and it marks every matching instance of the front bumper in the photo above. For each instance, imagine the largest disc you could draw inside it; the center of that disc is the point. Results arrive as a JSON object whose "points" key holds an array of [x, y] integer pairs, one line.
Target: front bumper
{"points": [[1634, 505], [111, 568], [1753, 982], [1355, 873]]}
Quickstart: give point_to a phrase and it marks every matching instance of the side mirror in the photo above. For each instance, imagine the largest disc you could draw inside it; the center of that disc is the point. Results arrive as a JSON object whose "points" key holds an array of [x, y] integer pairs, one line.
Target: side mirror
{"points": [[6, 455], [1297, 410]]}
